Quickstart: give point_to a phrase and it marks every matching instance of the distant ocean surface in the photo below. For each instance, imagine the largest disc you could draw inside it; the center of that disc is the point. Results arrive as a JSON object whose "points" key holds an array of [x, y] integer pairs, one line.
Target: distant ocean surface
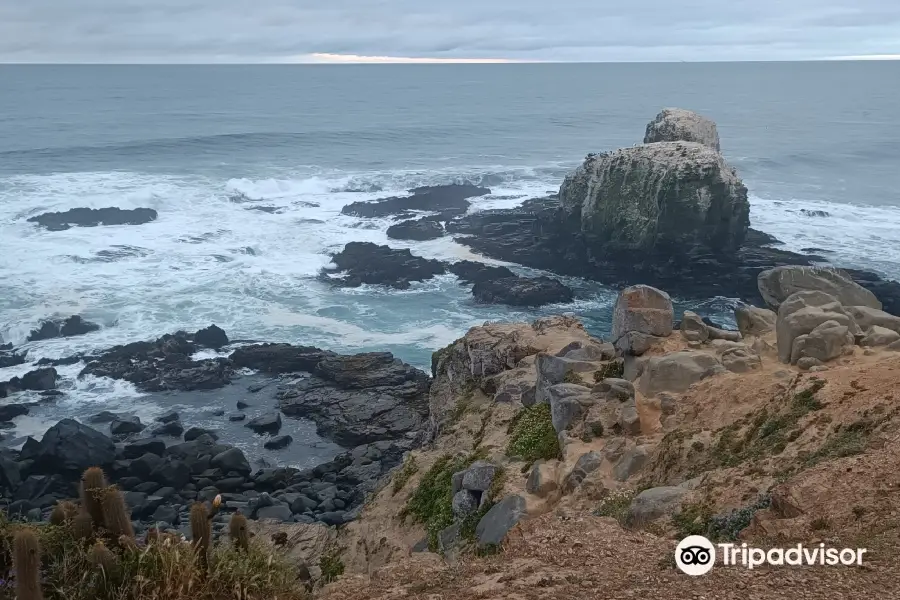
{"points": [[184, 140]]}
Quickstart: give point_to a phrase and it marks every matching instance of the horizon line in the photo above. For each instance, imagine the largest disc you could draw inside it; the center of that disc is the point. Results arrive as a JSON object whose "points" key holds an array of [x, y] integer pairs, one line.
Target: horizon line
{"points": [[352, 59]]}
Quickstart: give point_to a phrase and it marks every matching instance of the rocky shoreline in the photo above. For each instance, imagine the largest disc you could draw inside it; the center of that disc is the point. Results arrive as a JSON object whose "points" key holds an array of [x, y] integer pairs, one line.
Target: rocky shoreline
{"points": [[372, 405]]}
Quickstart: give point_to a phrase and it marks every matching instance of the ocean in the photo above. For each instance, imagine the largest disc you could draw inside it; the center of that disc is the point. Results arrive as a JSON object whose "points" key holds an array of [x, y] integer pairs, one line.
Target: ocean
{"points": [[308, 139]]}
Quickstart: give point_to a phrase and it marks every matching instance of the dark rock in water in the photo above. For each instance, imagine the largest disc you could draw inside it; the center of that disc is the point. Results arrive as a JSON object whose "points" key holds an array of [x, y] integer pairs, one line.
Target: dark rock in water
{"points": [[211, 337], [360, 398], [814, 213], [60, 362], [432, 198], [241, 405], [169, 417], [9, 412], [69, 448], [470, 271], [235, 417], [522, 291], [194, 432], [92, 217], [139, 448], [278, 442], [172, 429], [38, 380], [756, 237], [164, 364], [426, 228], [30, 450], [49, 395], [126, 426], [103, 417], [278, 358], [815, 250], [269, 423], [368, 263], [11, 358], [69, 327], [266, 209], [7, 425]]}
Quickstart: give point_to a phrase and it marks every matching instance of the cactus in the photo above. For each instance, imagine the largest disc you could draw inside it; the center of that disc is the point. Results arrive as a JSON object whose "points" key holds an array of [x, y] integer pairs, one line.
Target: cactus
{"points": [[58, 515], [237, 529], [200, 532], [83, 527], [93, 482], [28, 565], [115, 513], [103, 559]]}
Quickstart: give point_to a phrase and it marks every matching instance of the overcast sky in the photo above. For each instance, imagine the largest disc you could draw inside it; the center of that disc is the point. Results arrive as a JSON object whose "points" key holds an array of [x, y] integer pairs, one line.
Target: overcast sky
{"points": [[329, 30]]}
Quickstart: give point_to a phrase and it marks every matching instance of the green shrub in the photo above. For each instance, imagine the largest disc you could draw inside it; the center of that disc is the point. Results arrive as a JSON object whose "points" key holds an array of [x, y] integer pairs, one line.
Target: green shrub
{"points": [[332, 566], [533, 436], [403, 475]]}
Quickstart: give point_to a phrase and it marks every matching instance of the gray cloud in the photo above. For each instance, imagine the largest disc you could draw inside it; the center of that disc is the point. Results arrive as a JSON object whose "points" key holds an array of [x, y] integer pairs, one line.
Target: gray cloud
{"points": [[579, 30]]}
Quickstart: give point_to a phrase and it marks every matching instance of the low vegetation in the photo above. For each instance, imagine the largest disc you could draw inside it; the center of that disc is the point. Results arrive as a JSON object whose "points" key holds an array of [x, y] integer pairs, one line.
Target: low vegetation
{"points": [[614, 369], [615, 506], [82, 555], [404, 473], [532, 436]]}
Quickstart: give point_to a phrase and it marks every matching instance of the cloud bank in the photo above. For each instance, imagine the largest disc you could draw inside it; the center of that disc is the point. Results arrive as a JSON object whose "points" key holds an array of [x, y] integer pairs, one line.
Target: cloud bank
{"points": [[190, 31]]}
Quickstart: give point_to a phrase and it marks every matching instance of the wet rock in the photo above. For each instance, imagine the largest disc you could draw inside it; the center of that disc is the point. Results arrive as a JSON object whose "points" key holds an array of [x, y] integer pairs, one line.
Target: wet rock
{"points": [[170, 429], [194, 432], [522, 291], [68, 327], [127, 426], [8, 412], [433, 198], [469, 271], [92, 217], [426, 228], [236, 417], [269, 423], [140, 447], [278, 358], [278, 442], [367, 263], [168, 417], [10, 357], [211, 337]]}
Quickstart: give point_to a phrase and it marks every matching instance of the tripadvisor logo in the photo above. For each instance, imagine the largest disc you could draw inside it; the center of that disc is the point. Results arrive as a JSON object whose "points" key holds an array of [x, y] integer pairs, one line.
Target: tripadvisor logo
{"points": [[696, 555]]}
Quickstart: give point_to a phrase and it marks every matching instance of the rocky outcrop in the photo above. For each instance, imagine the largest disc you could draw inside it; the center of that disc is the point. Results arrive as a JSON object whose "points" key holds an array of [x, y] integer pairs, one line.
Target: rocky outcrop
{"points": [[10, 357], [642, 314], [679, 125], [470, 271], [449, 199], [776, 285], [426, 228], [522, 291], [360, 398], [367, 263], [813, 324], [92, 217], [670, 195], [68, 327], [677, 371], [40, 380]]}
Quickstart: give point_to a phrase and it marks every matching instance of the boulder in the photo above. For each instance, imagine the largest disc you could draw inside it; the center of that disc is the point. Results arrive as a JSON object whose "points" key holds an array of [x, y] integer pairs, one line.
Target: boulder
{"points": [[693, 328], [126, 426], [194, 432], [653, 503], [568, 404], [278, 442], [587, 463], [231, 460], [778, 284], [464, 503], [68, 327], [740, 360], [679, 125], [827, 341], [631, 461], [278, 358], [211, 337], [677, 371], [169, 428], [879, 336], [666, 196], [171, 472], [752, 320], [800, 314], [469, 271], [867, 317], [522, 291], [69, 448], [426, 228], [641, 313], [92, 217], [269, 423], [496, 523], [542, 479], [551, 370], [479, 476]]}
